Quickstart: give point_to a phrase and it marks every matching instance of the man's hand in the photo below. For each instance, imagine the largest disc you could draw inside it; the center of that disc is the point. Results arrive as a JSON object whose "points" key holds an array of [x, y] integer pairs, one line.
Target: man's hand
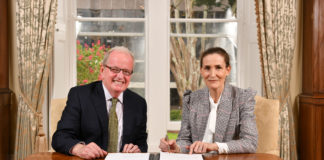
{"points": [[89, 151], [202, 147], [130, 148], [166, 145]]}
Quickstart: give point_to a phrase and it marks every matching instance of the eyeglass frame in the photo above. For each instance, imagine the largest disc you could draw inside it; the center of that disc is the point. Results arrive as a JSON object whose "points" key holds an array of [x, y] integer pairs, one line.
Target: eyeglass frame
{"points": [[117, 70]]}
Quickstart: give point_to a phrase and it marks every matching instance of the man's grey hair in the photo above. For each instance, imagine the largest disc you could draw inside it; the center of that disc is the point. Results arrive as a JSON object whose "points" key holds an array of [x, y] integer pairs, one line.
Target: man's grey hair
{"points": [[120, 49]]}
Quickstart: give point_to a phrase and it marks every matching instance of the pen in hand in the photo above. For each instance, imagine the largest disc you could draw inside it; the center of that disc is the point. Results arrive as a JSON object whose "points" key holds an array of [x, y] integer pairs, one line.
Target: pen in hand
{"points": [[167, 140]]}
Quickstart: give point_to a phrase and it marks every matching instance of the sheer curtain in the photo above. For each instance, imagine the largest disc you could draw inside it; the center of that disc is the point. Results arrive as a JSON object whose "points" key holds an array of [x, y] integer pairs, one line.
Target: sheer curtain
{"points": [[276, 20], [35, 31]]}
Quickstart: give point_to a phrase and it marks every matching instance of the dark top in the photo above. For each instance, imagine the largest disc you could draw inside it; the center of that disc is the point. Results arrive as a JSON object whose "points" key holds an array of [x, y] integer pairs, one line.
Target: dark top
{"points": [[85, 119]]}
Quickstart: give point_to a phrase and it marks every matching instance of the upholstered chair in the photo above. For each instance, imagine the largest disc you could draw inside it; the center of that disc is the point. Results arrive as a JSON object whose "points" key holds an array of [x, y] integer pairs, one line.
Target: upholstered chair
{"points": [[56, 109], [267, 119]]}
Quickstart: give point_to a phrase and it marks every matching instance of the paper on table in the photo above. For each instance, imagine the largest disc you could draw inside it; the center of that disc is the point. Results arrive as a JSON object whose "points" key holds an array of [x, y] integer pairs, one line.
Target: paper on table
{"points": [[179, 156], [127, 156]]}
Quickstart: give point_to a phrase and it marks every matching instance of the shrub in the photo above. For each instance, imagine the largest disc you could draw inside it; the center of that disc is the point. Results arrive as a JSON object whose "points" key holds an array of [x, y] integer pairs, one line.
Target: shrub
{"points": [[175, 114], [89, 60]]}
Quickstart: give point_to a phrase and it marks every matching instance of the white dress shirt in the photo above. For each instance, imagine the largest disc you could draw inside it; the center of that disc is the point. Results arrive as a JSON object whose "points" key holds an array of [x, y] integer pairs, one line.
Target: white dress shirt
{"points": [[119, 112], [211, 125]]}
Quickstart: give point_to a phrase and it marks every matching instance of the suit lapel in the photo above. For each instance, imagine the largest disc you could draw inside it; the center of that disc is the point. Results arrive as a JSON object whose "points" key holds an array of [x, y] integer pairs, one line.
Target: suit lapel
{"points": [[126, 104], [100, 105], [127, 115], [223, 113], [203, 110]]}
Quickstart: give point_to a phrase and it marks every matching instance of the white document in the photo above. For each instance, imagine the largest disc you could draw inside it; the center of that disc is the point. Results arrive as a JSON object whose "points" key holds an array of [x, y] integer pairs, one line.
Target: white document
{"points": [[128, 156], [179, 156]]}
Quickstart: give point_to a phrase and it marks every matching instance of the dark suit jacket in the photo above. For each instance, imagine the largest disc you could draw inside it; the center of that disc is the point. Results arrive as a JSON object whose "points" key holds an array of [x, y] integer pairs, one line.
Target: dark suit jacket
{"points": [[235, 123], [85, 119]]}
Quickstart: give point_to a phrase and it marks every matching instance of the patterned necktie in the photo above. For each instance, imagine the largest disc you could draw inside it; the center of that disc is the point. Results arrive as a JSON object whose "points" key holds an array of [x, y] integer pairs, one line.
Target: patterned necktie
{"points": [[113, 127]]}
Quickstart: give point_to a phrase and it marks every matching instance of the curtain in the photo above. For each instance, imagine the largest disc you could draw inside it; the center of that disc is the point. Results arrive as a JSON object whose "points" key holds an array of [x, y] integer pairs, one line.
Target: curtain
{"points": [[276, 20], [35, 35]]}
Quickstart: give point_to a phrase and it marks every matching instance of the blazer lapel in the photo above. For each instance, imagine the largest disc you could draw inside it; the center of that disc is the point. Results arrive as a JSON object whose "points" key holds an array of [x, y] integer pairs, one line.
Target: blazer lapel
{"points": [[100, 105], [203, 110], [223, 113]]}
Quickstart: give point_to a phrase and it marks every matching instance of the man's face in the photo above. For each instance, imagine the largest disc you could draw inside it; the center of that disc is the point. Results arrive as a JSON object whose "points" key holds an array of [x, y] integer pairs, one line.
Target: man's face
{"points": [[116, 83]]}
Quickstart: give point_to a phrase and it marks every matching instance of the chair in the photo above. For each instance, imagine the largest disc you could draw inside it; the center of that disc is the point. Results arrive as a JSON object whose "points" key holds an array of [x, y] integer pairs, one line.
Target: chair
{"points": [[267, 120], [57, 107]]}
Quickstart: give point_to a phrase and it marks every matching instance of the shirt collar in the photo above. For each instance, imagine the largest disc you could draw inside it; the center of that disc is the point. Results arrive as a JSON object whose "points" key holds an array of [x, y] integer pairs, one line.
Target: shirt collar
{"points": [[108, 96]]}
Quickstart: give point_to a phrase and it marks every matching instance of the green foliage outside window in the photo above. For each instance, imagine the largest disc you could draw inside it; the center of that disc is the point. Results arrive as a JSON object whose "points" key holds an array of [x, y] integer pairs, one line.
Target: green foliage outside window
{"points": [[172, 135], [89, 60], [175, 115]]}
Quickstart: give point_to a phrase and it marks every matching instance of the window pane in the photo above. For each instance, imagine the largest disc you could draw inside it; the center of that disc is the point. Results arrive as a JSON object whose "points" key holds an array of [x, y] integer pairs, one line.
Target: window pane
{"points": [[90, 53], [185, 66], [140, 91], [118, 27], [111, 8], [189, 36], [203, 9], [175, 111], [229, 28], [135, 44], [96, 36], [138, 74]]}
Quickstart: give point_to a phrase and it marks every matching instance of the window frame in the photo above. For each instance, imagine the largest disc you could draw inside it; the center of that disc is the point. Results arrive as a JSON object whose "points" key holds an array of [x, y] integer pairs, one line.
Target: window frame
{"points": [[157, 59]]}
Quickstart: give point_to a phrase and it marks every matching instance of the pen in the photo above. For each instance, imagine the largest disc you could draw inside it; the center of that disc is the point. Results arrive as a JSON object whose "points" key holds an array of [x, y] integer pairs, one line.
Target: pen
{"points": [[167, 140]]}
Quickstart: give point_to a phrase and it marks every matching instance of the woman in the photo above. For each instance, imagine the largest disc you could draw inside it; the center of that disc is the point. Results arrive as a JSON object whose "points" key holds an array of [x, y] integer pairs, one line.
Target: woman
{"points": [[219, 117]]}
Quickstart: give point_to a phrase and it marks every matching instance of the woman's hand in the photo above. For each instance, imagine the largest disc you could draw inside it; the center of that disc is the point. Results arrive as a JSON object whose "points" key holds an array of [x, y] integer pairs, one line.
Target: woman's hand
{"points": [[169, 146], [202, 147]]}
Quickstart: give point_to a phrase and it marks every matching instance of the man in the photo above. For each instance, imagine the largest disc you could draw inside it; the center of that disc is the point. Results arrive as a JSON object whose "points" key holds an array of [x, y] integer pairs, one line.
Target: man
{"points": [[94, 112]]}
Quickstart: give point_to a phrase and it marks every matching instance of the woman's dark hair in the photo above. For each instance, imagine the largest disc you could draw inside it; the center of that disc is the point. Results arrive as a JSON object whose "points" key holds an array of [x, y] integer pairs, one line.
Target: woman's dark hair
{"points": [[215, 50]]}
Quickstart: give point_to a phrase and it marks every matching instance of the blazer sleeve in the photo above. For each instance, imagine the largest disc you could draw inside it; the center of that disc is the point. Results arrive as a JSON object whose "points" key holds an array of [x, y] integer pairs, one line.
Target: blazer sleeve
{"points": [[184, 138], [248, 134], [68, 128]]}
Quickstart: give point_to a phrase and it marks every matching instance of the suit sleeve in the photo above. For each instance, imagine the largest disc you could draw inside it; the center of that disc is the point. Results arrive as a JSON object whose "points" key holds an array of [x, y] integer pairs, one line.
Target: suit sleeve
{"points": [[68, 128], [248, 134], [184, 138]]}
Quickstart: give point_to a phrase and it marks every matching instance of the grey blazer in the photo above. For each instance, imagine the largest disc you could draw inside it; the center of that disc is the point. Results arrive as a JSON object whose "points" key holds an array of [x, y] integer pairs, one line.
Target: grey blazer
{"points": [[235, 124]]}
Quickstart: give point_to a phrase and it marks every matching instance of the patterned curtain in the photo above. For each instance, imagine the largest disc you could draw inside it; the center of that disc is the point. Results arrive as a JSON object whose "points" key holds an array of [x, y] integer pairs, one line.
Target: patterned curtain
{"points": [[35, 35], [276, 20]]}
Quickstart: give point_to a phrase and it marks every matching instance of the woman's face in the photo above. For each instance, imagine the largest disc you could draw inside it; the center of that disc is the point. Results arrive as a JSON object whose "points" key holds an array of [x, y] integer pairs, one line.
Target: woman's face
{"points": [[214, 71]]}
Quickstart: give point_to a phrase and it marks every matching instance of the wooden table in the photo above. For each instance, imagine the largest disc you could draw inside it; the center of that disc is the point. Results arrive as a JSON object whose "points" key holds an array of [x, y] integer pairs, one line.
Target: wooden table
{"points": [[257, 156]]}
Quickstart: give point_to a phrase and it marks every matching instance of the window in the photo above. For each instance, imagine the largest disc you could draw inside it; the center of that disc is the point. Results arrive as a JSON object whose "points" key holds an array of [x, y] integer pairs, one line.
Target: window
{"points": [[101, 25], [147, 27], [195, 27]]}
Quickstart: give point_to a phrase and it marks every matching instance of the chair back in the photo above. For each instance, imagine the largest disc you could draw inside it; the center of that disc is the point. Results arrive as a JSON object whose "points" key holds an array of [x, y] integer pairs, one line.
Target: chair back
{"points": [[267, 120], [57, 107]]}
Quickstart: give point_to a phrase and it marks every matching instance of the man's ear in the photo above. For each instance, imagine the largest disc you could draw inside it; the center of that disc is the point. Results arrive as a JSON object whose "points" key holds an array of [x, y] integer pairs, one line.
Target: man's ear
{"points": [[101, 68]]}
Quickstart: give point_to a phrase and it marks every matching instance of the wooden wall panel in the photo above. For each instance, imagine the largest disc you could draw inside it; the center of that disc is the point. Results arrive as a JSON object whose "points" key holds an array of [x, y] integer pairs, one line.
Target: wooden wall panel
{"points": [[5, 93], [321, 46], [311, 111], [306, 129], [319, 132], [311, 127], [5, 96], [4, 56], [307, 47]]}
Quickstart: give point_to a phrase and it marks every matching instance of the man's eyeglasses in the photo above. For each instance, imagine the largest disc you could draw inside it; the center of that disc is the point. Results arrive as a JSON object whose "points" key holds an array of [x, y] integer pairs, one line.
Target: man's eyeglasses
{"points": [[126, 72]]}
